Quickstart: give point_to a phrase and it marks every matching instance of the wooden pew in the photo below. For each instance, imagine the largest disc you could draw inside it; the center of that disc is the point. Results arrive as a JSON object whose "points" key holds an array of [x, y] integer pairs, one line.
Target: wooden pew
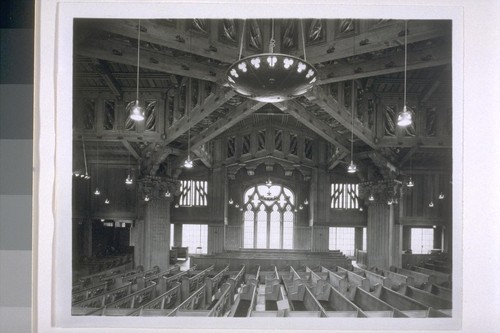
{"points": [[397, 280], [190, 283], [439, 291], [252, 275], [195, 301], [302, 301], [419, 279], [128, 304], [339, 282], [197, 305], [235, 281], [132, 278], [215, 282], [405, 304], [89, 292], [373, 277], [92, 304], [334, 303], [371, 305], [245, 300], [440, 278], [142, 281], [109, 276], [425, 297], [161, 305], [355, 279]]}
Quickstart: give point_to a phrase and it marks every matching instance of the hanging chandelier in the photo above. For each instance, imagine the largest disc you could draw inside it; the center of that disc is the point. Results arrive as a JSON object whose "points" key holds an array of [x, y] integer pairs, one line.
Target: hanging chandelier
{"points": [[271, 77]]}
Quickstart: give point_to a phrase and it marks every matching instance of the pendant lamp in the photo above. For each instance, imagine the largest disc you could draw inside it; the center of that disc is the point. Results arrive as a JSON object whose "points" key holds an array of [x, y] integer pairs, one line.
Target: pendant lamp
{"points": [[137, 111], [404, 117]]}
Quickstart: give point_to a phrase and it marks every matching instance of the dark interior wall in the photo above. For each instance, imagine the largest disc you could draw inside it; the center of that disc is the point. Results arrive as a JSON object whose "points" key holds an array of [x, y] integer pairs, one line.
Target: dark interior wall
{"points": [[122, 197]]}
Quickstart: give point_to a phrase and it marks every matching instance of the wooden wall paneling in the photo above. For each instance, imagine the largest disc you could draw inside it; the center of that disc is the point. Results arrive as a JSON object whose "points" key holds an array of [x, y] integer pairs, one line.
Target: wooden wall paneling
{"points": [[319, 238], [233, 237], [215, 239], [302, 238]]}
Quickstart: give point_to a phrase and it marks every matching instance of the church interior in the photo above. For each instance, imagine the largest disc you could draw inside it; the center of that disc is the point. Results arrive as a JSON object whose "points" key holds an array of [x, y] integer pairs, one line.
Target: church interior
{"points": [[262, 168]]}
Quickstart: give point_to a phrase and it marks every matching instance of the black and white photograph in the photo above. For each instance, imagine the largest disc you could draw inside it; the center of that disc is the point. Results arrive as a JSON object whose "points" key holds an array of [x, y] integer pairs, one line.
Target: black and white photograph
{"points": [[218, 168], [273, 167]]}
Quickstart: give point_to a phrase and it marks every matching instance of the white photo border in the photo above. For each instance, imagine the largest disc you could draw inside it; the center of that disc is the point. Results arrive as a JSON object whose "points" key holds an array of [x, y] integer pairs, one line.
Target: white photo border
{"points": [[53, 157]]}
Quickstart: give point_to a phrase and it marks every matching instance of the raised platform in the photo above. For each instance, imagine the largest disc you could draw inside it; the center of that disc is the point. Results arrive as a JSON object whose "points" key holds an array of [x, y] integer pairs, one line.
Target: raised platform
{"points": [[270, 258]]}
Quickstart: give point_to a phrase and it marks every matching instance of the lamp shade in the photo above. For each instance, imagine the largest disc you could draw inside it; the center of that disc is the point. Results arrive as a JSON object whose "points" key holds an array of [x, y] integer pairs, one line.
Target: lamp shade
{"points": [[271, 77], [137, 112], [404, 117]]}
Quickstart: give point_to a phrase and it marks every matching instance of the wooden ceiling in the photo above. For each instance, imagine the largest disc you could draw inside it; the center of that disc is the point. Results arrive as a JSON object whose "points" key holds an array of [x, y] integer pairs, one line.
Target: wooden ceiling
{"points": [[363, 57]]}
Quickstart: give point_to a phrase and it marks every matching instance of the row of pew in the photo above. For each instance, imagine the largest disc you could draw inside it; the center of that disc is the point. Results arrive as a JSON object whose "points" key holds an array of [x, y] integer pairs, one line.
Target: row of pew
{"points": [[272, 291]]}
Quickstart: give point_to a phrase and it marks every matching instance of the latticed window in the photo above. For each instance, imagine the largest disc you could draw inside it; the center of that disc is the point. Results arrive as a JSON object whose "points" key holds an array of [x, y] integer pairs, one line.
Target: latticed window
{"points": [[341, 239], [422, 240], [308, 148], [193, 193], [268, 217], [261, 140], [278, 140], [231, 146], [245, 149], [344, 196]]}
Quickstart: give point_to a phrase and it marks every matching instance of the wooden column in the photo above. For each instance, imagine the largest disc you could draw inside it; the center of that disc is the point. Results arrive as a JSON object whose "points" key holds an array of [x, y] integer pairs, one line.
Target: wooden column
{"points": [[358, 238], [178, 234], [157, 234], [217, 209], [380, 235]]}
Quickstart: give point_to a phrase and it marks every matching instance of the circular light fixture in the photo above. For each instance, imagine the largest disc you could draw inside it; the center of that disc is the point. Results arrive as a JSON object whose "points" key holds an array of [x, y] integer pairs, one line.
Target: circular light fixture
{"points": [[371, 198], [441, 196], [106, 201], [271, 77], [167, 194], [146, 198], [97, 192], [230, 201], [431, 204]]}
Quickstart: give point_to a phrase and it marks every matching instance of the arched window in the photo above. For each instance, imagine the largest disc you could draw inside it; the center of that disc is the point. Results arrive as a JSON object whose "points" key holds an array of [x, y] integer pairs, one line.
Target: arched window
{"points": [[268, 217]]}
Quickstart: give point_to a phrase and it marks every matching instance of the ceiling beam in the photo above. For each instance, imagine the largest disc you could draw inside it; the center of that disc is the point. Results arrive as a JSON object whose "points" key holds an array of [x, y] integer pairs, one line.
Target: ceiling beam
{"points": [[199, 112], [239, 113], [438, 55], [119, 52], [337, 160], [102, 68], [204, 157], [408, 155], [422, 142], [376, 40], [338, 112], [386, 167], [297, 111], [162, 34], [130, 149]]}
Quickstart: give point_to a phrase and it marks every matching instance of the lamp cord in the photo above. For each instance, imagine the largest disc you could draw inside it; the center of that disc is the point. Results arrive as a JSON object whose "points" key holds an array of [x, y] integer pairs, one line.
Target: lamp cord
{"points": [[138, 57], [303, 39], [406, 60], [242, 37], [272, 41], [84, 156]]}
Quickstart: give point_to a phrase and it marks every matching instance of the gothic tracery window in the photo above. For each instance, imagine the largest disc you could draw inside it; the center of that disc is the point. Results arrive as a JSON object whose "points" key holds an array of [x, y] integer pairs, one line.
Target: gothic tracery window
{"points": [[268, 217]]}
